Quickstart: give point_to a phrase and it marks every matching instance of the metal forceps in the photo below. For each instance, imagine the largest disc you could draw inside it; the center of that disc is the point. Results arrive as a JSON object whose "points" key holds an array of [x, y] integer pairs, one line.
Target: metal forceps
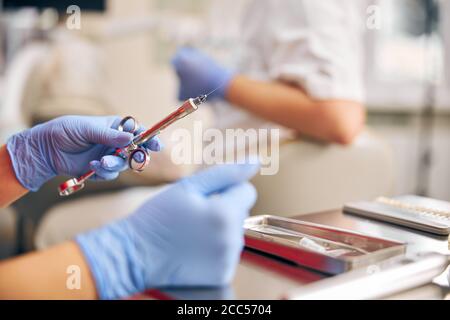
{"points": [[137, 156]]}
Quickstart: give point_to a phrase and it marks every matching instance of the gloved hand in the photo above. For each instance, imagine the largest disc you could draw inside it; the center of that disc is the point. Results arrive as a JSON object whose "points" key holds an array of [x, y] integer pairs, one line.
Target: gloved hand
{"points": [[190, 234], [199, 74], [70, 145]]}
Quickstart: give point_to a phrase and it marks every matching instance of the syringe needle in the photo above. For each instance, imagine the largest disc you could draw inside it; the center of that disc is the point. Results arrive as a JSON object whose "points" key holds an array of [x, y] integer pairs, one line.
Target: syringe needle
{"points": [[211, 92], [217, 88]]}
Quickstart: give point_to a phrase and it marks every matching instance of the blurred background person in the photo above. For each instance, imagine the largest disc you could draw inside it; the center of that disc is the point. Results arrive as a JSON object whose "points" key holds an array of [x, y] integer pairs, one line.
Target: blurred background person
{"points": [[299, 64]]}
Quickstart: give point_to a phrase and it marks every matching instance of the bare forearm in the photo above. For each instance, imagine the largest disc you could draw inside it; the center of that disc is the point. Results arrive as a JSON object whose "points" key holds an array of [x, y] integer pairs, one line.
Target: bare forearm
{"points": [[334, 120], [10, 188], [49, 274]]}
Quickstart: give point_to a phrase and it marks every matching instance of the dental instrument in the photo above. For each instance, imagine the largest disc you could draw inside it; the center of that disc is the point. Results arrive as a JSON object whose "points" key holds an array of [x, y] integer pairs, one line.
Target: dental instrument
{"points": [[137, 156]]}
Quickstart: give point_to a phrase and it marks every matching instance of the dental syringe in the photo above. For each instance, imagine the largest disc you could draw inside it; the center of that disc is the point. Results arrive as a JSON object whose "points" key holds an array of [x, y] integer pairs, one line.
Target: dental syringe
{"points": [[134, 149]]}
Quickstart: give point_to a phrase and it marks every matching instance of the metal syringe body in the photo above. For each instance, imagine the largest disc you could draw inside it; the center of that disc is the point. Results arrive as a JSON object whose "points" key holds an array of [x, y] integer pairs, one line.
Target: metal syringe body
{"points": [[186, 108], [75, 184]]}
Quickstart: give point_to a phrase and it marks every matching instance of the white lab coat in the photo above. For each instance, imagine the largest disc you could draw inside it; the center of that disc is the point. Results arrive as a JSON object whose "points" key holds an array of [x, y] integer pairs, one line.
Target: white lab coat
{"points": [[314, 44]]}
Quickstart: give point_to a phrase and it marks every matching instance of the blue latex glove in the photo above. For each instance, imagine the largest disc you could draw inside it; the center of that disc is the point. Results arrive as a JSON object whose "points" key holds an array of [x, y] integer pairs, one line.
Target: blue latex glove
{"points": [[190, 234], [199, 74], [70, 145]]}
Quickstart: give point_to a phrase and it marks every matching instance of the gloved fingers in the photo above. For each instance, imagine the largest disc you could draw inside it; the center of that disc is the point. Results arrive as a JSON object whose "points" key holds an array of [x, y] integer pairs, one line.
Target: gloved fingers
{"points": [[154, 144], [181, 56], [102, 173], [113, 163], [97, 134], [139, 157], [229, 248], [188, 60], [226, 255], [242, 197], [229, 209], [218, 178], [175, 63], [186, 54], [128, 126], [182, 94]]}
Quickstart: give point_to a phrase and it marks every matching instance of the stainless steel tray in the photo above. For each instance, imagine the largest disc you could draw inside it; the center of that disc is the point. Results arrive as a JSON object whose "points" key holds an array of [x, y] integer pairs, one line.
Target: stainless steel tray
{"points": [[323, 248]]}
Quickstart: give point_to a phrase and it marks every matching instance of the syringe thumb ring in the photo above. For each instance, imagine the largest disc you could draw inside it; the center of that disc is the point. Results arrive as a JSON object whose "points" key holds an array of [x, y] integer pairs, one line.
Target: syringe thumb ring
{"points": [[138, 159]]}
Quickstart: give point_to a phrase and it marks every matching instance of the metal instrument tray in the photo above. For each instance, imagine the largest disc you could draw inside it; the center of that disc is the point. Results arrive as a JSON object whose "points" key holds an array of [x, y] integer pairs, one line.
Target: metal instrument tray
{"points": [[323, 248]]}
